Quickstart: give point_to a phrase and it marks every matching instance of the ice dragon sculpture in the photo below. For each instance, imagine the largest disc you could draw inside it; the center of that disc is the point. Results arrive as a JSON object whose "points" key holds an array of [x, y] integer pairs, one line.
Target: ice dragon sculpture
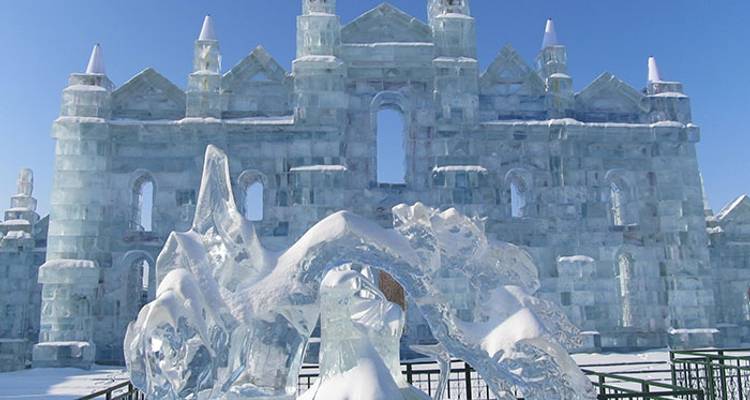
{"points": [[231, 319]]}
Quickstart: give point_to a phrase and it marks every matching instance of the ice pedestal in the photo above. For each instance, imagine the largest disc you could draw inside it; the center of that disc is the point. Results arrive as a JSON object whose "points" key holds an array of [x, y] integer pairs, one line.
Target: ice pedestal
{"points": [[680, 339], [68, 293]]}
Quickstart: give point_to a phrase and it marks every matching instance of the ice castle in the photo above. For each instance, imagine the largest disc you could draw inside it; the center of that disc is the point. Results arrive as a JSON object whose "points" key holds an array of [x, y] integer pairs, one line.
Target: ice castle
{"points": [[601, 186]]}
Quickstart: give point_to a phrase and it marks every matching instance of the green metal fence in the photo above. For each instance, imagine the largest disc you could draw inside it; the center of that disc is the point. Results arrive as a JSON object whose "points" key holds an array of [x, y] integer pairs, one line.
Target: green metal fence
{"points": [[723, 374], [621, 386], [123, 391], [690, 375]]}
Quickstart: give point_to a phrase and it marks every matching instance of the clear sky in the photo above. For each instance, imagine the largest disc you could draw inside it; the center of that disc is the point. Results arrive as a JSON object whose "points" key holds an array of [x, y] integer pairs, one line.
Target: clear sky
{"points": [[703, 43]]}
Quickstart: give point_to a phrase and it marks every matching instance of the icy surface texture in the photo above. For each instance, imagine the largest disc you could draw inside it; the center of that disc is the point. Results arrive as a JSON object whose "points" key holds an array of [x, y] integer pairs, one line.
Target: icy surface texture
{"points": [[231, 319]]}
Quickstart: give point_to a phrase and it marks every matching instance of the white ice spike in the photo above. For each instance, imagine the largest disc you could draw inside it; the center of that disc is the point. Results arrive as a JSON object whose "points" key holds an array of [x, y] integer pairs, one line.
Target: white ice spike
{"points": [[207, 32], [96, 61], [653, 70], [550, 35]]}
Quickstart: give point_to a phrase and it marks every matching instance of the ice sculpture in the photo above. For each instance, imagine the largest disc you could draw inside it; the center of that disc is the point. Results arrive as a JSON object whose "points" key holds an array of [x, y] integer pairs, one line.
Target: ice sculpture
{"points": [[231, 320]]}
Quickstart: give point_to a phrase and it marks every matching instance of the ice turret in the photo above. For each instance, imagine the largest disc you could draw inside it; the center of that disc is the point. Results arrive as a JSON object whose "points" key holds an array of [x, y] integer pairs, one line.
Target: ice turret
{"points": [[553, 66], [23, 204], [667, 99], [550, 35], [653, 70], [319, 75], [455, 64], [74, 255], [318, 7], [207, 32], [96, 61], [453, 27], [204, 84], [89, 94]]}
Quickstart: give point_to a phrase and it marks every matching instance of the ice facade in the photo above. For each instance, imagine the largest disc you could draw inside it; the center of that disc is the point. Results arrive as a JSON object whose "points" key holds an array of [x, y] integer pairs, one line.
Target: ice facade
{"points": [[232, 319], [601, 186]]}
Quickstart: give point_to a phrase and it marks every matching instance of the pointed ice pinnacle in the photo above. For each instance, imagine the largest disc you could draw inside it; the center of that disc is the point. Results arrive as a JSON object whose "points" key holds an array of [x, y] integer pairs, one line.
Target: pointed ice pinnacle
{"points": [[96, 61], [550, 36], [207, 32], [653, 70]]}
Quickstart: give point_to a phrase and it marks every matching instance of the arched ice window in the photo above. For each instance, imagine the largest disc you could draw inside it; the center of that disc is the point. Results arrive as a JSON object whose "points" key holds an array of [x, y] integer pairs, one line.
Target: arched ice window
{"points": [[623, 205], [517, 199], [518, 181], [252, 189], [140, 284], [253, 205], [391, 142], [143, 204]]}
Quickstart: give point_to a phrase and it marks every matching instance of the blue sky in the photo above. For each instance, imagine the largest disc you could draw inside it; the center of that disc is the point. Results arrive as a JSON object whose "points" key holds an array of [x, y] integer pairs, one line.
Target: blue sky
{"points": [[701, 43]]}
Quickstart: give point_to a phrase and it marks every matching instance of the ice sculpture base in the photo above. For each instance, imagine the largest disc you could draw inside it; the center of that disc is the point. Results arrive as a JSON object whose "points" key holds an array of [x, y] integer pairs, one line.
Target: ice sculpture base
{"points": [[64, 355]]}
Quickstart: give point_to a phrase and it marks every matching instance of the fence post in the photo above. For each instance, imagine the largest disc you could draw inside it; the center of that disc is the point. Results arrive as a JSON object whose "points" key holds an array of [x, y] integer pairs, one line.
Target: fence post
{"points": [[467, 375], [723, 375], [409, 373], [710, 384], [673, 367], [602, 382]]}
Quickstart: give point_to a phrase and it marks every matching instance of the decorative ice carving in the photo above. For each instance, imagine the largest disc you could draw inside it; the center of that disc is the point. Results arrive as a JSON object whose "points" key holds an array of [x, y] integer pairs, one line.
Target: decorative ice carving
{"points": [[231, 320]]}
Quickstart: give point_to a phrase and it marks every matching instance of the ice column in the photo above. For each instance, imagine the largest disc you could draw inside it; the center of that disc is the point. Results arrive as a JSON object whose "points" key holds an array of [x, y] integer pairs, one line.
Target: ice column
{"points": [[77, 244]]}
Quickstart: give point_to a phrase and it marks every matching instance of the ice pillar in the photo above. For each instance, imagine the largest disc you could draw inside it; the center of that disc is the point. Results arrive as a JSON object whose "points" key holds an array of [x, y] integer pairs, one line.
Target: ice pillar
{"points": [[77, 244]]}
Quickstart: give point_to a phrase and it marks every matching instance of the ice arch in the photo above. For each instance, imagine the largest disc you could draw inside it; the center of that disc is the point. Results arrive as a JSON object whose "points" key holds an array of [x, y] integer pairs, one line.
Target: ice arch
{"points": [[623, 205], [518, 181], [390, 127], [142, 202], [232, 319]]}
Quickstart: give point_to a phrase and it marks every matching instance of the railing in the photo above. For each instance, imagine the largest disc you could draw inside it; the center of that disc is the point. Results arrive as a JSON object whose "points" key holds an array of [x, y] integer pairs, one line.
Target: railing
{"points": [[618, 386], [123, 391], [464, 383], [722, 374]]}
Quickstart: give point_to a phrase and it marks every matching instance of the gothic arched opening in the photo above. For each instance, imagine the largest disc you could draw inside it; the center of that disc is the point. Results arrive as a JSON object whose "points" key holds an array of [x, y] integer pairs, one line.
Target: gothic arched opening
{"points": [[517, 198], [142, 286], [622, 202], [253, 204], [143, 204], [391, 146]]}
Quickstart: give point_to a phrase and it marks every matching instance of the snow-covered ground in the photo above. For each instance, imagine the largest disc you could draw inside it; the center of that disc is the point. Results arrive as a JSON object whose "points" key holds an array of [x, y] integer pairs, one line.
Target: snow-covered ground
{"points": [[70, 384], [58, 384]]}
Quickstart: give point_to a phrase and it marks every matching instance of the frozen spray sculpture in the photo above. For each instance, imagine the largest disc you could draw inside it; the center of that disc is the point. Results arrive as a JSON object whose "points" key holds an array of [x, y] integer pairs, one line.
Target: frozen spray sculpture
{"points": [[231, 319]]}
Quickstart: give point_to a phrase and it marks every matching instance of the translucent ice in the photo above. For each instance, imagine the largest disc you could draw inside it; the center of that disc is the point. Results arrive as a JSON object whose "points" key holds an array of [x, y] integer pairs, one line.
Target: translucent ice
{"points": [[231, 319]]}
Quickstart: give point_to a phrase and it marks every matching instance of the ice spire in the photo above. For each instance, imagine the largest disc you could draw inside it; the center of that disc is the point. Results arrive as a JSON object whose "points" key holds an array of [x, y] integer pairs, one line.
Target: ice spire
{"points": [[96, 61], [550, 36], [207, 32], [653, 70]]}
